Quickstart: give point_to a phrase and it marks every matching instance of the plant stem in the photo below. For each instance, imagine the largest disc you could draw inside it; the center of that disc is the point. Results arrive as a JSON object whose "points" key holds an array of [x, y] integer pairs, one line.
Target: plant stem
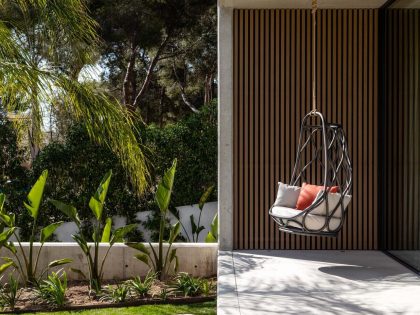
{"points": [[103, 261], [37, 258], [198, 225], [159, 264], [30, 271]]}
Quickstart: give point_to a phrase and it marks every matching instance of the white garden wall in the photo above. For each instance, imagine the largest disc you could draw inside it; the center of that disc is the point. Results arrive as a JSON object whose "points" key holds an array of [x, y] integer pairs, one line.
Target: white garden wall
{"points": [[198, 259], [64, 232]]}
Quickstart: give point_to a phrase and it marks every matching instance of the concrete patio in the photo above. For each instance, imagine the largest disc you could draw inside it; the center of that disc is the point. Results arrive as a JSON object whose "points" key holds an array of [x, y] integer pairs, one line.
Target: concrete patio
{"points": [[315, 282]]}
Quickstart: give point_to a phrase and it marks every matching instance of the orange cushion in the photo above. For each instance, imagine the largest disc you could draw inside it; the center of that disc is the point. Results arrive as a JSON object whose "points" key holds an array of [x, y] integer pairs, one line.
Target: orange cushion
{"points": [[308, 194]]}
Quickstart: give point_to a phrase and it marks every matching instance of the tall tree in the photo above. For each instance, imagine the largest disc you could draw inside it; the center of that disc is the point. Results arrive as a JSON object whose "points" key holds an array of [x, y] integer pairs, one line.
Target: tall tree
{"points": [[140, 35], [43, 45]]}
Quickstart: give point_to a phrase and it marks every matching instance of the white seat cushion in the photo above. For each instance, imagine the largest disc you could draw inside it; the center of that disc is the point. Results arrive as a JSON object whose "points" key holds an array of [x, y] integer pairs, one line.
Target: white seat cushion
{"points": [[333, 200], [312, 222]]}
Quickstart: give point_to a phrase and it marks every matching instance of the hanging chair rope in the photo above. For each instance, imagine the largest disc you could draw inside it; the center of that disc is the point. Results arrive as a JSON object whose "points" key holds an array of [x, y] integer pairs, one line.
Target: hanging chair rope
{"points": [[322, 148], [314, 9]]}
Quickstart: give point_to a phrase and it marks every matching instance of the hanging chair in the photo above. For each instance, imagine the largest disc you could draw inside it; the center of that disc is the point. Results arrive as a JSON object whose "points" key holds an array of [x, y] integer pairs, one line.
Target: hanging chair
{"points": [[322, 154], [322, 158]]}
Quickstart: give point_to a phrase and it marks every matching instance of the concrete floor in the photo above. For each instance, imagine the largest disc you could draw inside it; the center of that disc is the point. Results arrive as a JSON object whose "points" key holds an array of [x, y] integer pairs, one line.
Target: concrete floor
{"points": [[315, 282]]}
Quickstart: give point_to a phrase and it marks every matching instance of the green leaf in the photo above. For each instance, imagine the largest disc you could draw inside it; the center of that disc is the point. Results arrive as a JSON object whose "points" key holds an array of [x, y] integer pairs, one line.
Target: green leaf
{"points": [[59, 262], [9, 220], [120, 233], [68, 210], [214, 227], [97, 208], [8, 259], [102, 190], [5, 235], [144, 258], [5, 266], [173, 234], [172, 255], [96, 203], [106, 234], [193, 225], [139, 246], [210, 238], [175, 212], [35, 195], [82, 243], [47, 231], [79, 272], [164, 189], [2, 200], [11, 247], [204, 197]]}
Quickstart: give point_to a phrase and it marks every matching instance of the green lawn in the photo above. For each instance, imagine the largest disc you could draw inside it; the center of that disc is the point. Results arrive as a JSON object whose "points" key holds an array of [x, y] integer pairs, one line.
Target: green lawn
{"points": [[199, 308]]}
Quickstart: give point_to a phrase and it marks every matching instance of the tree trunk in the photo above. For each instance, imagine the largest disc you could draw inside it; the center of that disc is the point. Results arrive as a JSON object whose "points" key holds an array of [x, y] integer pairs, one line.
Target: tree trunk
{"points": [[35, 128], [149, 74], [208, 88], [181, 85], [129, 86]]}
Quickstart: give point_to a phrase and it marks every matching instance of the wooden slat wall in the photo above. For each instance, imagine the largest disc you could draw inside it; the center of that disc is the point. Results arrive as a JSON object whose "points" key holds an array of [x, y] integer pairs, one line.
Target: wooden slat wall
{"points": [[401, 130], [272, 88]]}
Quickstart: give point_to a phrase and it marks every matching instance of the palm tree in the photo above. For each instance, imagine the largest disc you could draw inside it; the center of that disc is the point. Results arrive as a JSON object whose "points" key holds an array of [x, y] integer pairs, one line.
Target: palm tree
{"points": [[43, 46]]}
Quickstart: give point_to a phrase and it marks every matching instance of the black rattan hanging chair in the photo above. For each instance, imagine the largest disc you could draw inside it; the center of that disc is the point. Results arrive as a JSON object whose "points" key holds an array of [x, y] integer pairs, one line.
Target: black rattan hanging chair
{"points": [[323, 154], [322, 158]]}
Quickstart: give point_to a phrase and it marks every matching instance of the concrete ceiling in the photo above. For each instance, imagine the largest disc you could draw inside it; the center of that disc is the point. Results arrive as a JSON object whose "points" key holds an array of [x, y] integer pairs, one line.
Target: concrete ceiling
{"points": [[406, 4], [303, 4]]}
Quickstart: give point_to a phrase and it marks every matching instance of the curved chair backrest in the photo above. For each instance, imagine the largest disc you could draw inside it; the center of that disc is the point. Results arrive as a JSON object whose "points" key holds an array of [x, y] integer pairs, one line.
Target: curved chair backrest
{"points": [[322, 158]]}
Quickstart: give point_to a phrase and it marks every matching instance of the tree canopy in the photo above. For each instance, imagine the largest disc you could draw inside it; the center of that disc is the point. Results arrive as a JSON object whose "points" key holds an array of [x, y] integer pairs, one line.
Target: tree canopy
{"points": [[34, 72], [159, 55]]}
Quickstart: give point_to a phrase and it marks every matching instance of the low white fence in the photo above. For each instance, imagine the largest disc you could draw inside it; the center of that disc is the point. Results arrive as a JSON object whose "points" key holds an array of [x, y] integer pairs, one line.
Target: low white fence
{"points": [[198, 259]]}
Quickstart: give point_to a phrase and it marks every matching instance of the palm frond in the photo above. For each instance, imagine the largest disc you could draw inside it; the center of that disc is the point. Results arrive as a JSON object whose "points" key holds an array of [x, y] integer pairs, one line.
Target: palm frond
{"points": [[24, 83]]}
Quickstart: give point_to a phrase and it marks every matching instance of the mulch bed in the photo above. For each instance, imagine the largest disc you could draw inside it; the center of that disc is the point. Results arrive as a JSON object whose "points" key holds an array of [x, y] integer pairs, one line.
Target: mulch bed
{"points": [[79, 298]]}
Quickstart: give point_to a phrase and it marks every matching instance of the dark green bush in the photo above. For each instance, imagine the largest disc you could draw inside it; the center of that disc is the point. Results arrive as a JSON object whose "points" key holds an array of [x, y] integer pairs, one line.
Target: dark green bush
{"points": [[193, 142], [77, 165], [75, 168], [14, 178]]}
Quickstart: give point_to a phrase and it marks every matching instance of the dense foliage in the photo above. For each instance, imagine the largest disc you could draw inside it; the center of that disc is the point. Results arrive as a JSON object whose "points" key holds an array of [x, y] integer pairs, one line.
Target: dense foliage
{"points": [[157, 58], [14, 178], [77, 165], [44, 46], [193, 141], [159, 55]]}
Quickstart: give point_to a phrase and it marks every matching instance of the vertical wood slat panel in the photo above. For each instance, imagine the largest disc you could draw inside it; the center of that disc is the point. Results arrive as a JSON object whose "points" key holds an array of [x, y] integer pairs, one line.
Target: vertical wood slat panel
{"points": [[272, 82], [401, 130]]}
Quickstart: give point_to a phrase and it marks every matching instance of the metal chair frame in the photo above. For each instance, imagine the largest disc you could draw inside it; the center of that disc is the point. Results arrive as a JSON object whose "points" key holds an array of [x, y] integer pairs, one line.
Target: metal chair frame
{"points": [[333, 158]]}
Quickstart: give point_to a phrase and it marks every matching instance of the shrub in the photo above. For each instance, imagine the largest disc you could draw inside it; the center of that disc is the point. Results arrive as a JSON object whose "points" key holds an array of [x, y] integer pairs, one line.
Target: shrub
{"points": [[75, 168], [116, 294], [158, 260], [76, 165], [101, 232], [9, 293], [187, 285], [142, 288], [207, 287], [27, 262], [193, 142], [53, 290], [212, 235], [14, 178]]}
